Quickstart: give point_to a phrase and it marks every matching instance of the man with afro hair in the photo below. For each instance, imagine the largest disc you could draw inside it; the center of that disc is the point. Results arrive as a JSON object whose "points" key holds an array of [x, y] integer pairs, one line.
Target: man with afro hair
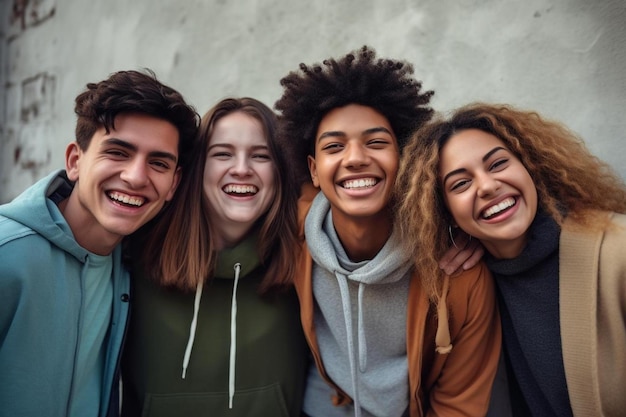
{"points": [[383, 342]]}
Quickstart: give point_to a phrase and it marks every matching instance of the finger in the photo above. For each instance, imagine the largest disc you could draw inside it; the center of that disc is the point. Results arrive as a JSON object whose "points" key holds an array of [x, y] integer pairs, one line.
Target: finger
{"points": [[455, 263], [477, 254]]}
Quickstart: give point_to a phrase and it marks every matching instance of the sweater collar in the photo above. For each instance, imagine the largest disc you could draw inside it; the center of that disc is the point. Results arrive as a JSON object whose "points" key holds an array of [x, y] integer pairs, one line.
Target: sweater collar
{"points": [[543, 240]]}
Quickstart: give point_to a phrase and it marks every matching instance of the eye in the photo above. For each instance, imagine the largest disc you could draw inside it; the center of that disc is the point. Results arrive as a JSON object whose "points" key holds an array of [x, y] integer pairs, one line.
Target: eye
{"points": [[378, 143], [160, 165], [118, 153], [332, 147], [221, 155], [261, 157], [499, 165], [460, 185]]}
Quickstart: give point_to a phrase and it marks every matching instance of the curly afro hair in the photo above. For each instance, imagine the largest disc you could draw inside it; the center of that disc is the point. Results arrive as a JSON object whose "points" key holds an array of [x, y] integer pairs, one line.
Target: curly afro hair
{"points": [[357, 78]]}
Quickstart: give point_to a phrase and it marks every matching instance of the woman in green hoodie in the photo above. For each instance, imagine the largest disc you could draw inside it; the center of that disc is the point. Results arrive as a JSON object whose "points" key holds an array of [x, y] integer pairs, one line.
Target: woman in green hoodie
{"points": [[215, 326]]}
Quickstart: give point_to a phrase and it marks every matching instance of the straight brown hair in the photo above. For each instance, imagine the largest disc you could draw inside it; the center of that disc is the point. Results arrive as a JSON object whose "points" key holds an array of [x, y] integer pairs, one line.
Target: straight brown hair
{"points": [[177, 249]]}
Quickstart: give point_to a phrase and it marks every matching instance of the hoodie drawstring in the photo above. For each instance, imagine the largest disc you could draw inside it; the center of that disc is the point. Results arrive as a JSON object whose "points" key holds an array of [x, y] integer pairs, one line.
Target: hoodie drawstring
{"points": [[233, 334], [347, 317], [442, 337], [192, 328], [361, 331], [233, 338]]}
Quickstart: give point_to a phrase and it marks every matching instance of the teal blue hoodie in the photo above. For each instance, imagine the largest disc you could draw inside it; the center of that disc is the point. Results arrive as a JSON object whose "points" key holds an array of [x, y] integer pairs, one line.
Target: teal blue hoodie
{"points": [[41, 311]]}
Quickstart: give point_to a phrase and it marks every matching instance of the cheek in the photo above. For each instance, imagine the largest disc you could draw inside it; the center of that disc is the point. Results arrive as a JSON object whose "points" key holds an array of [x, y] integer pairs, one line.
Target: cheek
{"points": [[270, 176], [459, 207], [533, 197], [210, 176], [270, 179], [393, 168]]}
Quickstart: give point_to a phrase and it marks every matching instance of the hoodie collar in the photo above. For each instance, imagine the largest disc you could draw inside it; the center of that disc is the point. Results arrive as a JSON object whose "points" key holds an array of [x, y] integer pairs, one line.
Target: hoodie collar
{"points": [[36, 208]]}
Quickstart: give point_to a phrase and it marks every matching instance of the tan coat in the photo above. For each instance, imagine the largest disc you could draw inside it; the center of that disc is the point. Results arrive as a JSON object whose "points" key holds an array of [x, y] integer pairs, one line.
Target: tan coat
{"points": [[592, 287], [453, 384]]}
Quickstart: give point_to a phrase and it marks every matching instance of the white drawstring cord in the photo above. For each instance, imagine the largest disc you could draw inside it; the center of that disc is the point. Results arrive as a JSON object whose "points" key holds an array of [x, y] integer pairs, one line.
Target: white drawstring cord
{"points": [[233, 338], [192, 327]]}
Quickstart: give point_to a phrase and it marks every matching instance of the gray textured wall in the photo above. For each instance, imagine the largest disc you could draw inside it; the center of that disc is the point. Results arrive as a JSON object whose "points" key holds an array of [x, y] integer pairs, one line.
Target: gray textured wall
{"points": [[564, 58]]}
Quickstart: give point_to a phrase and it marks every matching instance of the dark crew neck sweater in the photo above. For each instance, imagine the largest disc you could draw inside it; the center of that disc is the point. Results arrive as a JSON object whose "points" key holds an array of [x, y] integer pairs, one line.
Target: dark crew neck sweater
{"points": [[528, 292]]}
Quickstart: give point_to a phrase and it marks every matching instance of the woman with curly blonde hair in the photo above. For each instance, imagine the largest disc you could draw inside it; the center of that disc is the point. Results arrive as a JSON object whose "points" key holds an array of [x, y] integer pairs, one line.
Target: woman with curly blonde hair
{"points": [[550, 215]]}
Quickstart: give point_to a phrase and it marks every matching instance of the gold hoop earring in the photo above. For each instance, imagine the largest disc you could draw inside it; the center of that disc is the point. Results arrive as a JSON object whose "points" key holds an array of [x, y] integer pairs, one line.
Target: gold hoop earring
{"points": [[451, 237]]}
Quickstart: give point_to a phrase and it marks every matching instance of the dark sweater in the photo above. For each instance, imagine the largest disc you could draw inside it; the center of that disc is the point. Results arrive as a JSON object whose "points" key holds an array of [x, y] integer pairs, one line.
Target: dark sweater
{"points": [[528, 291]]}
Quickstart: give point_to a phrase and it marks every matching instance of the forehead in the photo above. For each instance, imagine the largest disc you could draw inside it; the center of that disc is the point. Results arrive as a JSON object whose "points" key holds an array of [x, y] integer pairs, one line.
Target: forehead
{"points": [[470, 143], [237, 128], [353, 118], [143, 132]]}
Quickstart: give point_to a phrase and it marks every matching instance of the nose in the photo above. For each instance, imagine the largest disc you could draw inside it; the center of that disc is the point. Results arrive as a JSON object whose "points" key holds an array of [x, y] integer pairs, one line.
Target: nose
{"points": [[241, 166], [486, 184], [356, 155], [135, 173]]}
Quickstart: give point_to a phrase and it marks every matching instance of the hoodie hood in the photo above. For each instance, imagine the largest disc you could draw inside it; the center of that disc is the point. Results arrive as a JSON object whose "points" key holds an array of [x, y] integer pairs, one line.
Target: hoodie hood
{"points": [[37, 209]]}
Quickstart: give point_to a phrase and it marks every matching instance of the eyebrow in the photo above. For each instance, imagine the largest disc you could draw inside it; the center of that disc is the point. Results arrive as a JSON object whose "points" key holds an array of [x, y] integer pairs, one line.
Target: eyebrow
{"points": [[337, 133], [126, 145], [231, 146], [487, 156]]}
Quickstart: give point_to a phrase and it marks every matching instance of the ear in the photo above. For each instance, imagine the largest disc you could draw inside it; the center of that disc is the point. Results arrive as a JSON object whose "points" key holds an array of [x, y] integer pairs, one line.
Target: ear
{"points": [[73, 155], [175, 182], [313, 171]]}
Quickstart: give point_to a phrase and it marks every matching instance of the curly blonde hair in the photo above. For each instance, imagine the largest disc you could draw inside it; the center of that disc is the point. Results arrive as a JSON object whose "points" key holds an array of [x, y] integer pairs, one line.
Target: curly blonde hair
{"points": [[569, 179]]}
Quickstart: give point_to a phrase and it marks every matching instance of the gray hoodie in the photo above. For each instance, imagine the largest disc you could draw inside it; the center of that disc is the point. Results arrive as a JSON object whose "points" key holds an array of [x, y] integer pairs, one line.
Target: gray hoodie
{"points": [[360, 322]]}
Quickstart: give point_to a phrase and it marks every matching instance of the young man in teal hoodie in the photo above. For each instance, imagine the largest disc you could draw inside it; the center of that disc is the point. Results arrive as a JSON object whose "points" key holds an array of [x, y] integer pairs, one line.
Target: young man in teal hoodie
{"points": [[64, 294]]}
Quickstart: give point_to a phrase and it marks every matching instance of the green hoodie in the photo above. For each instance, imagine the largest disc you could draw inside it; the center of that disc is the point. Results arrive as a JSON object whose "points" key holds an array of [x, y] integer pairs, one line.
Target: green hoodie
{"points": [[271, 356]]}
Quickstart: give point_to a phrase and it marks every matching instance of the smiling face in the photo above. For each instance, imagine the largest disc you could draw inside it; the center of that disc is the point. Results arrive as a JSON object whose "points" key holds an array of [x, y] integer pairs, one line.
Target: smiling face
{"points": [[488, 191], [356, 162], [123, 179], [239, 179]]}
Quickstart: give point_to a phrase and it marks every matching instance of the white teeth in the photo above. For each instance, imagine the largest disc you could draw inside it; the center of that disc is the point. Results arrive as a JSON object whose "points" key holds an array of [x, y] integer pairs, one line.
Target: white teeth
{"points": [[505, 204], [123, 198], [240, 189], [360, 183]]}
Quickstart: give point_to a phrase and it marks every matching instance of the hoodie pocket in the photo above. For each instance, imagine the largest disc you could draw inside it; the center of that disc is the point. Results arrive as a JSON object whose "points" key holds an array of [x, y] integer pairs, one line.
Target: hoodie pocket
{"points": [[256, 402]]}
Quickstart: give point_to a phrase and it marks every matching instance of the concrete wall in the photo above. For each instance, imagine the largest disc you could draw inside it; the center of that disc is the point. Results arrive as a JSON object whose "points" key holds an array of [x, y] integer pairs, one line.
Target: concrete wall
{"points": [[564, 58]]}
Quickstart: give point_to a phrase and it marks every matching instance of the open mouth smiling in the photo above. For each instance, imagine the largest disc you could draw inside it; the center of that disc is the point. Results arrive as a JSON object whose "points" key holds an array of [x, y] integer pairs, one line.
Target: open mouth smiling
{"points": [[498, 208], [241, 190], [359, 183], [125, 199]]}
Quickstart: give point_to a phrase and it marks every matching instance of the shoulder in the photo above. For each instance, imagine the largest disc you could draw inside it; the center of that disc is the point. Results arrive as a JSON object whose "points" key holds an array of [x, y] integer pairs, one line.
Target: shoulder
{"points": [[25, 256], [611, 231], [472, 293], [618, 219], [307, 194], [11, 230], [477, 276]]}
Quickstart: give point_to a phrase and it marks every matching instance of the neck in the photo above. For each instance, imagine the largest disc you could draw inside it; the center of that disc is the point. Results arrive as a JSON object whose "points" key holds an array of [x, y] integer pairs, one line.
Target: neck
{"points": [[227, 237], [363, 238], [87, 232]]}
